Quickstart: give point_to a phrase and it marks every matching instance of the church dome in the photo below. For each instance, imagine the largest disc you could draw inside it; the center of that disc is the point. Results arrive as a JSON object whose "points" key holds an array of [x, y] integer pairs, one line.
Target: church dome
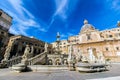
{"points": [[86, 27]]}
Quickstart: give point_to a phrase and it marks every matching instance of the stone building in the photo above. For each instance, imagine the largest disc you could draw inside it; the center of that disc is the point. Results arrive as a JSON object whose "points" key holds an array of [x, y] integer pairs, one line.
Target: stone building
{"points": [[104, 42], [63, 46], [59, 55], [17, 45], [5, 23]]}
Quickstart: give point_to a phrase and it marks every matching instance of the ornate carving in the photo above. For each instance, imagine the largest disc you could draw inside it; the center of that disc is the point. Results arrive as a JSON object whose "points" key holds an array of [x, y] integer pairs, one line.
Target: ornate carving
{"points": [[7, 53], [28, 53]]}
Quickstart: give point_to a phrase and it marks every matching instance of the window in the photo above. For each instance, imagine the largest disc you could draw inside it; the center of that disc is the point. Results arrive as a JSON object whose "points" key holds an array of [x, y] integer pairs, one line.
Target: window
{"points": [[30, 44], [88, 37], [0, 13], [117, 48], [60, 43], [2, 32], [119, 34], [106, 49], [24, 43], [110, 36]]}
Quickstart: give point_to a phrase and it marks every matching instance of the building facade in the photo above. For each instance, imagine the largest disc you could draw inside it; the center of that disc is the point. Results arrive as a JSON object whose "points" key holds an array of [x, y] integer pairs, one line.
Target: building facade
{"points": [[105, 42], [17, 45], [5, 23]]}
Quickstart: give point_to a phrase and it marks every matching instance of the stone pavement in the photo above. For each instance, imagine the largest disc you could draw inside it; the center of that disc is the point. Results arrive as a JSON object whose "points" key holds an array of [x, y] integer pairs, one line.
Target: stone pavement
{"points": [[113, 74]]}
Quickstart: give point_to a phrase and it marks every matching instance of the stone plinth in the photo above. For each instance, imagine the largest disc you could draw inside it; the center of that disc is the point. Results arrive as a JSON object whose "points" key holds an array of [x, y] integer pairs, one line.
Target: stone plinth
{"points": [[47, 68], [72, 66]]}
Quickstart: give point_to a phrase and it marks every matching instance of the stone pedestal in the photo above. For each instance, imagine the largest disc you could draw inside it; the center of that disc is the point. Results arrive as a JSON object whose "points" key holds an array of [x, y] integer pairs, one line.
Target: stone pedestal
{"points": [[22, 67], [3, 64], [71, 66]]}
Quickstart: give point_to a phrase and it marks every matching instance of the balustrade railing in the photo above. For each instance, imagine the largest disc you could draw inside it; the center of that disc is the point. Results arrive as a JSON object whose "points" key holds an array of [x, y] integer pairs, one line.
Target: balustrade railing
{"points": [[14, 61], [37, 58], [31, 61]]}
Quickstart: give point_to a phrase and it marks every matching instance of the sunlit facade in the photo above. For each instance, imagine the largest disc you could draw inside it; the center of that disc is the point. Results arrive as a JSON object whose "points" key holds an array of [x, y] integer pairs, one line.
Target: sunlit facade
{"points": [[105, 42]]}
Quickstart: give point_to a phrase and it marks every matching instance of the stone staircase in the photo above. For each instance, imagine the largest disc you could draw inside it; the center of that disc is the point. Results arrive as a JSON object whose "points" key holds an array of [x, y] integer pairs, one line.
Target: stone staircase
{"points": [[11, 62], [17, 60], [40, 58], [2, 51], [23, 66], [14, 61]]}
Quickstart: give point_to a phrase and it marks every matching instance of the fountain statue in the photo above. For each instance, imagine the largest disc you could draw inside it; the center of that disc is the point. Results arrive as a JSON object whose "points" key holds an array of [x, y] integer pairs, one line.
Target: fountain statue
{"points": [[95, 62], [70, 53], [101, 58], [3, 63], [28, 53], [91, 57], [46, 47], [71, 58], [23, 66], [7, 54]]}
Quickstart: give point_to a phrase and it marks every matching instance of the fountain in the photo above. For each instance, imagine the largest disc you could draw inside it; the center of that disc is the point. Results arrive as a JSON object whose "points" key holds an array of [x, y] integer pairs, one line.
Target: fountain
{"points": [[95, 62], [71, 59], [23, 66]]}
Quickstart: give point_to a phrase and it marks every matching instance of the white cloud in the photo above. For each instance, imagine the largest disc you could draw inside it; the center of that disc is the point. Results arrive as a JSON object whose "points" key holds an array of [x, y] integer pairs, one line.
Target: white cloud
{"points": [[113, 4], [116, 4], [64, 36], [61, 6], [62, 9], [22, 23]]}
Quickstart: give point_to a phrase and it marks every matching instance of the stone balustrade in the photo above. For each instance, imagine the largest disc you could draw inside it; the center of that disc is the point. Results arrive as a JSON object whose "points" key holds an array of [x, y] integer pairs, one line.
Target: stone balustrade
{"points": [[36, 59], [14, 61]]}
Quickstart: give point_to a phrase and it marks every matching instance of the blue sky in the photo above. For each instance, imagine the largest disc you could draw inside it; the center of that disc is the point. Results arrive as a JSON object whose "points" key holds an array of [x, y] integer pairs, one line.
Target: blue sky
{"points": [[44, 18]]}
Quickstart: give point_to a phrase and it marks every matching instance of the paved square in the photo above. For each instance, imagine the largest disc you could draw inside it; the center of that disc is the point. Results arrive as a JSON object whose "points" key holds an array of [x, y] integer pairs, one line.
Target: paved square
{"points": [[113, 74]]}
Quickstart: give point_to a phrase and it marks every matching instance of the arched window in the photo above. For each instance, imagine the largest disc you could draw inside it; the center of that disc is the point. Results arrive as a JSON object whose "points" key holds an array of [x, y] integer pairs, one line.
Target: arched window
{"points": [[0, 13], [88, 36]]}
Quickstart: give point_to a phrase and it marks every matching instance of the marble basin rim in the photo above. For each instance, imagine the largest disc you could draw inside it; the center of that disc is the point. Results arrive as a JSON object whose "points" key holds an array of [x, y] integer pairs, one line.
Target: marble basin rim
{"points": [[91, 67]]}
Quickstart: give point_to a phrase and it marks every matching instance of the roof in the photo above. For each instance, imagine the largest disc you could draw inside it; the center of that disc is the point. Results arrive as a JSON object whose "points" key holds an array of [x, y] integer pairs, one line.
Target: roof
{"points": [[86, 27]]}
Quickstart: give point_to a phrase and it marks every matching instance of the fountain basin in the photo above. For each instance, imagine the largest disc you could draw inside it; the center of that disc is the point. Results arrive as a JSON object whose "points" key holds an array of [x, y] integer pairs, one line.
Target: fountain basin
{"points": [[91, 67], [47, 68], [19, 68]]}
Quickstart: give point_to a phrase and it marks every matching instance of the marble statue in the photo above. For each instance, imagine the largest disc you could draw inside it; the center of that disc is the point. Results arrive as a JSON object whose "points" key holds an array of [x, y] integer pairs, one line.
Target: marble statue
{"points": [[91, 55], [70, 53], [32, 49], [101, 58], [7, 53], [46, 47], [28, 53]]}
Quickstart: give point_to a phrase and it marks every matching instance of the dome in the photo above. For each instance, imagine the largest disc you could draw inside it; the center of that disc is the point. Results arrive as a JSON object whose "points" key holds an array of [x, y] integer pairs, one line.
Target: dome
{"points": [[86, 27]]}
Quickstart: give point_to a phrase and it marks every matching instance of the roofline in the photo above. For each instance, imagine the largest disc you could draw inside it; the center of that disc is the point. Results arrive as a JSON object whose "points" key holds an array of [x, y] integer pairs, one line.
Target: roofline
{"points": [[6, 13]]}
